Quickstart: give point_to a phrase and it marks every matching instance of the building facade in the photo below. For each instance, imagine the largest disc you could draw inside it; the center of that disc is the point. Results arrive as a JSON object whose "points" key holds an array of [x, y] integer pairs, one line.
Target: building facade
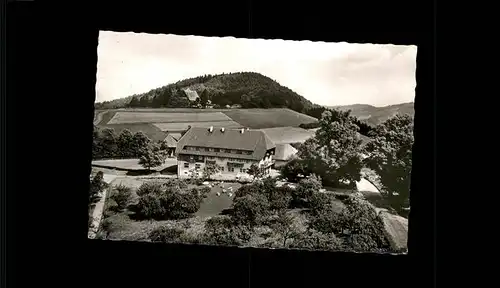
{"points": [[233, 151]]}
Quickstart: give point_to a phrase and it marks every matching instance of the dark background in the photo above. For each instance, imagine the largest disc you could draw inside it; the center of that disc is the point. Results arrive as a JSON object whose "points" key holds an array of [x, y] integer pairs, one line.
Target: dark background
{"points": [[52, 57]]}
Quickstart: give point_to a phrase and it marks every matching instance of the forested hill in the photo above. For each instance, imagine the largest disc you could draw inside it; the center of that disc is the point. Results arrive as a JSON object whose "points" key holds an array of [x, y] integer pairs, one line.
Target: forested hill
{"points": [[248, 89]]}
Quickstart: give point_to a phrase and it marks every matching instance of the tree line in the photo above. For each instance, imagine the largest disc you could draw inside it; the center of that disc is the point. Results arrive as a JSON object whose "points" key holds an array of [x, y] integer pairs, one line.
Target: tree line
{"points": [[107, 144]]}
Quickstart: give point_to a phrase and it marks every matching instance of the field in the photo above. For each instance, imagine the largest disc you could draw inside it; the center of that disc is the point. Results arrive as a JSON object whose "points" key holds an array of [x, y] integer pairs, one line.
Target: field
{"points": [[269, 118], [251, 118], [152, 117], [184, 125], [287, 135]]}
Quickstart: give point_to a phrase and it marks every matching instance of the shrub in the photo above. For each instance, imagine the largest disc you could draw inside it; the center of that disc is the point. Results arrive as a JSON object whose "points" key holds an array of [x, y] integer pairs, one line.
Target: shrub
{"points": [[281, 198], [180, 183], [250, 209], [166, 235], [171, 203], [318, 202], [110, 207], [292, 169], [205, 191], [121, 195], [358, 225], [150, 206], [220, 231], [149, 188], [306, 188], [315, 240]]}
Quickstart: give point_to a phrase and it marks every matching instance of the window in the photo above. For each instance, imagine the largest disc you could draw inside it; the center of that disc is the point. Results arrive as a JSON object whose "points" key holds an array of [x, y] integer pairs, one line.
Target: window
{"points": [[217, 150], [198, 166], [228, 151], [186, 165], [221, 169], [211, 162], [230, 169], [242, 170], [239, 152], [211, 149]]}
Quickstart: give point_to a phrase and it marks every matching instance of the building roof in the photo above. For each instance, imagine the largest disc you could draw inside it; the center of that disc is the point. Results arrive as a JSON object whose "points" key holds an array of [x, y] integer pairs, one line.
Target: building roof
{"points": [[250, 140], [287, 135], [284, 152], [171, 141], [176, 136], [191, 94]]}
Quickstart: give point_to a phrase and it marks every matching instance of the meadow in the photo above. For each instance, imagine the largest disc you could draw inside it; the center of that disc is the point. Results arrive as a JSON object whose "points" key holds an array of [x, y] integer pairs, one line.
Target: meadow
{"points": [[177, 127], [151, 117], [287, 135]]}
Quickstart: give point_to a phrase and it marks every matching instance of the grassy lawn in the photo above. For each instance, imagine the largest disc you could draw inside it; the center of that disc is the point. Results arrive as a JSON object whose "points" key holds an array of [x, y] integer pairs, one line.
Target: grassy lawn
{"points": [[131, 164], [181, 126]]}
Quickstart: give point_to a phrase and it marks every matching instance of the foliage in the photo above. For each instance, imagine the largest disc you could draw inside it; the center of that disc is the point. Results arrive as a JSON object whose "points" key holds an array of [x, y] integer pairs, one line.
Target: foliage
{"points": [[358, 225], [167, 201], [310, 125], [106, 144], [292, 169], [280, 198], [315, 240], [110, 208], [306, 188], [152, 156], [390, 156], [166, 235], [121, 195], [255, 171], [285, 226], [97, 185], [149, 188], [319, 202], [220, 230], [210, 169], [250, 209], [334, 152]]}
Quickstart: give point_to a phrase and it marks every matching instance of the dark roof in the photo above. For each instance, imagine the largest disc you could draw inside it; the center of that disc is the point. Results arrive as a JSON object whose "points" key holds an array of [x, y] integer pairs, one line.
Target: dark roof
{"points": [[284, 152], [250, 140]]}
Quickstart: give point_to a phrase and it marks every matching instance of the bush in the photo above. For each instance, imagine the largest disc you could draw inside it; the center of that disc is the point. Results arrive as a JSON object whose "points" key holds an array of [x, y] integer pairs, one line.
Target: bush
{"points": [[292, 169], [358, 225], [121, 195], [318, 202], [150, 206], [180, 183], [250, 209], [110, 207], [315, 240], [304, 191], [170, 203], [281, 198], [220, 231], [166, 235], [149, 188], [205, 191]]}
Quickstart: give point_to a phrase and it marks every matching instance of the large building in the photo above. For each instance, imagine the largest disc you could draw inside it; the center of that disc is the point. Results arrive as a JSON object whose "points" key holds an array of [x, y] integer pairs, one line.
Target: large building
{"points": [[234, 151]]}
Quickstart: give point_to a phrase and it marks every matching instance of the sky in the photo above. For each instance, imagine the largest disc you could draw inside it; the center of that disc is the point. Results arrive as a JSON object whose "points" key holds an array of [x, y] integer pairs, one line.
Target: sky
{"points": [[324, 73]]}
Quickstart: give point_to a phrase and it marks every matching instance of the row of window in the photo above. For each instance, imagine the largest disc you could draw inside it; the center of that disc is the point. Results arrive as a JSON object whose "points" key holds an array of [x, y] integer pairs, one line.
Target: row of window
{"points": [[208, 149], [229, 168], [227, 158]]}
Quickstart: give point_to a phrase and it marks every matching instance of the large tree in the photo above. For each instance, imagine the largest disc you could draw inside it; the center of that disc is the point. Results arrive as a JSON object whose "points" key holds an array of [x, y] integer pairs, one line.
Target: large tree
{"points": [[139, 142], [204, 98], [210, 169], [125, 144], [152, 156], [334, 152], [390, 156]]}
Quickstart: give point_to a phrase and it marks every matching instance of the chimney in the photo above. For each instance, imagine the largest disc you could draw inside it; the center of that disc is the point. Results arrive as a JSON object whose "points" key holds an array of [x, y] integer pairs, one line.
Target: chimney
{"points": [[211, 129], [242, 130], [222, 129]]}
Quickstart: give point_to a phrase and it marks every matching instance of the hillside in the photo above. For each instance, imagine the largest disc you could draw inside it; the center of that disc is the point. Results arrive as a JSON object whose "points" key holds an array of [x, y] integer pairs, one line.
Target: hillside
{"points": [[376, 115], [248, 89]]}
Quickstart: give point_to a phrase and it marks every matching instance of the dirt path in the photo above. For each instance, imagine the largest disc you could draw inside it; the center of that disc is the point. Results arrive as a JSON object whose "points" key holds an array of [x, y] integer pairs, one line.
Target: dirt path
{"points": [[99, 207]]}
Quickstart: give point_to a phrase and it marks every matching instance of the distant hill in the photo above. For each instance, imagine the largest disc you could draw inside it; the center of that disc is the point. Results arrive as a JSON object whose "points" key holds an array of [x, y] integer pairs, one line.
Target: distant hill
{"points": [[375, 115], [248, 89]]}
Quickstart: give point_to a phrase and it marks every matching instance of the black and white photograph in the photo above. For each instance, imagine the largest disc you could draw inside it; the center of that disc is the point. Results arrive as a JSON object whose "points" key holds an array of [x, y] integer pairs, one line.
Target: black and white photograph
{"points": [[272, 144]]}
